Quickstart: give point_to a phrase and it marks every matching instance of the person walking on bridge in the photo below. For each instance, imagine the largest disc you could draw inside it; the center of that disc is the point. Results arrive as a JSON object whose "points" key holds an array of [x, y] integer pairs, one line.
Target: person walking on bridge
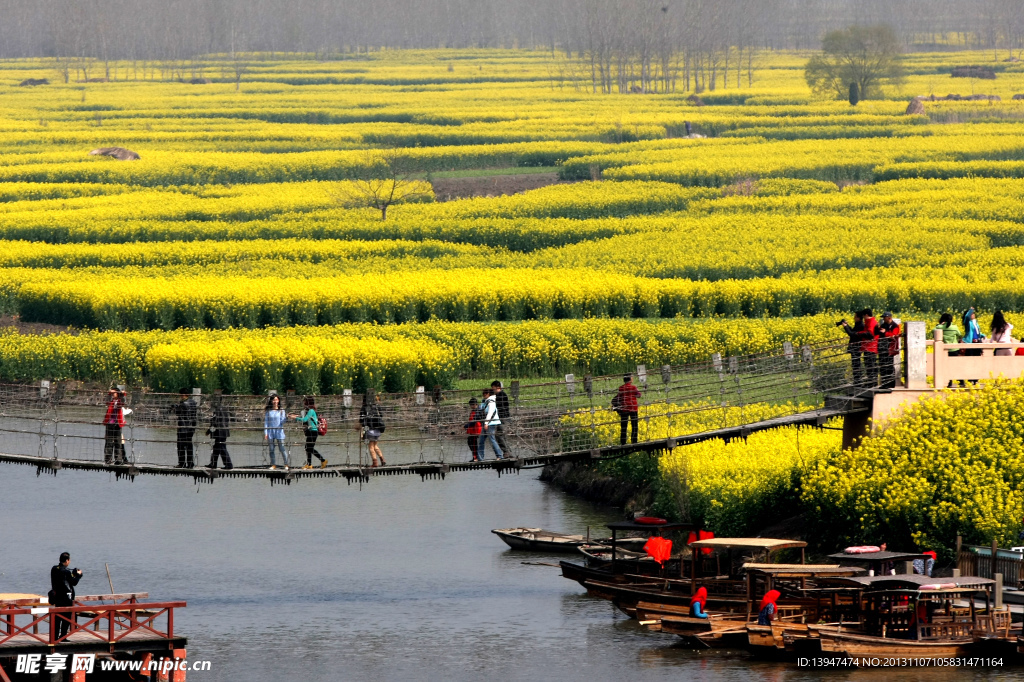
{"points": [[185, 411], [220, 431], [310, 421], [627, 403], [473, 428], [504, 414], [490, 422], [371, 419], [62, 590], [274, 418], [113, 420]]}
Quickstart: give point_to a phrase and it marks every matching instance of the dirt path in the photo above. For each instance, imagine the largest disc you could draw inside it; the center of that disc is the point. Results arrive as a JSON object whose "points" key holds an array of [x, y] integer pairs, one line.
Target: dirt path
{"points": [[446, 189]]}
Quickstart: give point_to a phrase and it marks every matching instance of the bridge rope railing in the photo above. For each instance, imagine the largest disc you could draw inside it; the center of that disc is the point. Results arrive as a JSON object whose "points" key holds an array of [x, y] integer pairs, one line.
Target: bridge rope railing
{"points": [[62, 421]]}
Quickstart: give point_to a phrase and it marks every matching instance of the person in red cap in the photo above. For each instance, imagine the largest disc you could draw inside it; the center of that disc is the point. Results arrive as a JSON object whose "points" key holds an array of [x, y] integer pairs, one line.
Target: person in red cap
{"points": [[698, 602], [767, 612]]}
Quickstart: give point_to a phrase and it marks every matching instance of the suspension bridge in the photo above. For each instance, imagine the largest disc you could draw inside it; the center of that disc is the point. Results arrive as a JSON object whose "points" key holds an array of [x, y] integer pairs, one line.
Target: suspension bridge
{"points": [[57, 426]]}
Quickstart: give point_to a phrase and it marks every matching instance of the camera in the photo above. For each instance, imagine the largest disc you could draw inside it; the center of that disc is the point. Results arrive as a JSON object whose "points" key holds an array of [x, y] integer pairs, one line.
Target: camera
{"points": [[840, 323]]}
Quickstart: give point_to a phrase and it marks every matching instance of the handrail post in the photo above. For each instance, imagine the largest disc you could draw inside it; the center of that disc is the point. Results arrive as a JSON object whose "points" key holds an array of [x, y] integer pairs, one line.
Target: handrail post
{"points": [[915, 353], [110, 626], [940, 360]]}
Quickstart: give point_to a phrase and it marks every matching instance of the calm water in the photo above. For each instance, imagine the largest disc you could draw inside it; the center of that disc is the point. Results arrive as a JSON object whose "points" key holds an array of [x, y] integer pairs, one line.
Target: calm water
{"points": [[401, 580]]}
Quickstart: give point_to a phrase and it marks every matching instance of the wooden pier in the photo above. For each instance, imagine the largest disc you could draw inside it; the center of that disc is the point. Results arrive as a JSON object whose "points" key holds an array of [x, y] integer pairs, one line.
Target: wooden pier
{"points": [[106, 626]]}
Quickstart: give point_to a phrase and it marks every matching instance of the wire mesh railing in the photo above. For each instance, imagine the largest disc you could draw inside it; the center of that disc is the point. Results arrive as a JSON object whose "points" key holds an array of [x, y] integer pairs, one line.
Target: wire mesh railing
{"points": [[64, 421]]}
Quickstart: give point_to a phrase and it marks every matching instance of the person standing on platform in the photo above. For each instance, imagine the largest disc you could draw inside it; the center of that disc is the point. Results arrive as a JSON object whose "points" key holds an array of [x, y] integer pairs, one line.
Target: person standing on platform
{"points": [[1002, 332], [185, 411], [627, 403], [62, 590], [274, 418], [311, 429], [869, 346], [220, 431], [113, 420], [504, 414], [854, 347], [888, 333]]}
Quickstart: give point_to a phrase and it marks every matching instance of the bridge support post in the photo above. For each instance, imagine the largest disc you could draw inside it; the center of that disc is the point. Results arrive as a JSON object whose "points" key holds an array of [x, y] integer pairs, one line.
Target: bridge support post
{"points": [[855, 427]]}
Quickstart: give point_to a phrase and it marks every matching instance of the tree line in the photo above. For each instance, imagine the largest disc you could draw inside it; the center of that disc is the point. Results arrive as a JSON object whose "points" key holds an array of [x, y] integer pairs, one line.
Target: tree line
{"points": [[608, 45]]}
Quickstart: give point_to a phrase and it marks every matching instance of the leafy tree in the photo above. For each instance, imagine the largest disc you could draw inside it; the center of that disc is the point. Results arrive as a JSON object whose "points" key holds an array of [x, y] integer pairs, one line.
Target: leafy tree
{"points": [[863, 55]]}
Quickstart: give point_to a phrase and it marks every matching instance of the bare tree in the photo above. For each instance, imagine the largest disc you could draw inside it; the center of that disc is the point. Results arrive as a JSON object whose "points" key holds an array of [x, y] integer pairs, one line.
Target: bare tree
{"points": [[389, 177]]}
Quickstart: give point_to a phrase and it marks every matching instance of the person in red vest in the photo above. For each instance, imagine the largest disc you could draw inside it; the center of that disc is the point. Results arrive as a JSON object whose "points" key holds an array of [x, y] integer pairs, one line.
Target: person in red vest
{"points": [[627, 403], [113, 421], [473, 428], [888, 333], [869, 346]]}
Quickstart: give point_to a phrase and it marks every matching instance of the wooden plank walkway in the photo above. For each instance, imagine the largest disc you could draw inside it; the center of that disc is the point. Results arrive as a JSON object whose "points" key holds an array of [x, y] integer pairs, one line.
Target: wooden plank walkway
{"points": [[425, 470], [87, 642]]}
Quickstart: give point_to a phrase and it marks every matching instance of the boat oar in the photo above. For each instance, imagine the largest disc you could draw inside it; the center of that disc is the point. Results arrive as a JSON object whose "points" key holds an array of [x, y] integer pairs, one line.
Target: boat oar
{"points": [[539, 563]]}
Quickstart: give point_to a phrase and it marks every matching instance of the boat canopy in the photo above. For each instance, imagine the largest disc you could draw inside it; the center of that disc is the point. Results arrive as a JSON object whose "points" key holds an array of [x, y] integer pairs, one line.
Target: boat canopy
{"points": [[647, 527], [803, 570], [918, 583], [748, 543], [878, 556]]}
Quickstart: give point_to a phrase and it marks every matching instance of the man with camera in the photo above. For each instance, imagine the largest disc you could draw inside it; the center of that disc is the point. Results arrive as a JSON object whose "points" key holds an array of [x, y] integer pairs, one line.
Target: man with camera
{"points": [[62, 590]]}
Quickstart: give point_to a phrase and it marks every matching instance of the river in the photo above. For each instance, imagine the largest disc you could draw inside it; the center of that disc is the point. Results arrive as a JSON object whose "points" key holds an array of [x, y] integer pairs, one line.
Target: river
{"points": [[399, 580]]}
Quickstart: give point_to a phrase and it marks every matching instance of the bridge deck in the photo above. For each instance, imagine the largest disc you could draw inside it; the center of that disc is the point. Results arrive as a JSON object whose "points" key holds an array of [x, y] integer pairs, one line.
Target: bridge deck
{"points": [[434, 469]]}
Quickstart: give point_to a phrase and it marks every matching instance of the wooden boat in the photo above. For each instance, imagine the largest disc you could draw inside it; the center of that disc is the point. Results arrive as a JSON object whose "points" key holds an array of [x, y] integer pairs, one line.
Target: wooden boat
{"points": [[918, 617], [717, 629], [612, 566], [539, 540]]}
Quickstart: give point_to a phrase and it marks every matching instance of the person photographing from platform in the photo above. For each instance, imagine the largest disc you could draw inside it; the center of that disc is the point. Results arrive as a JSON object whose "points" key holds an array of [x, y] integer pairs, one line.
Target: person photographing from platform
{"points": [[489, 422], [854, 347], [113, 421], [62, 590], [504, 414], [220, 431], [627, 403], [311, 428], [888, 333], [274, 418], [371, 419], [185, 411]]}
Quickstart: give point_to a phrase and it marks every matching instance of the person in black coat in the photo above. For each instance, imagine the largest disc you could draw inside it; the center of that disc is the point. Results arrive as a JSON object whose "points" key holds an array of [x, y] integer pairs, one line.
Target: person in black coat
{"points": [[504, 412], [185, 411], [220, 431], [62, 589]]}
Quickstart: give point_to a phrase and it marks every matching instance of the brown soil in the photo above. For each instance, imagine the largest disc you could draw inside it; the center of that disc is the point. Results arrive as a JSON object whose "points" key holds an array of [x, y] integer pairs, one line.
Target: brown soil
{"points": [[447, 189], [7, 321]]}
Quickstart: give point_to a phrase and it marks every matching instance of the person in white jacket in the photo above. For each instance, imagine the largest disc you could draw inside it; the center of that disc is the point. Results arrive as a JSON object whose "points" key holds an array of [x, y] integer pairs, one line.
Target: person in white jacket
{"points": [[1001, 333], [490, 424]]}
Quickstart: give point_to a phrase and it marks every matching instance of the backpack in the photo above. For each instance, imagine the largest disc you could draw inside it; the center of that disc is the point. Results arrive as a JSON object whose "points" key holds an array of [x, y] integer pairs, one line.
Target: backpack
{"points": [[321, 426]]}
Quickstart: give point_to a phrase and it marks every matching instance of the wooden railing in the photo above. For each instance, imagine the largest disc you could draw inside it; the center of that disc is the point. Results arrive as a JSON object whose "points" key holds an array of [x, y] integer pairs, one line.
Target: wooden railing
{"points": [[973, 563], [99, 623]]}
